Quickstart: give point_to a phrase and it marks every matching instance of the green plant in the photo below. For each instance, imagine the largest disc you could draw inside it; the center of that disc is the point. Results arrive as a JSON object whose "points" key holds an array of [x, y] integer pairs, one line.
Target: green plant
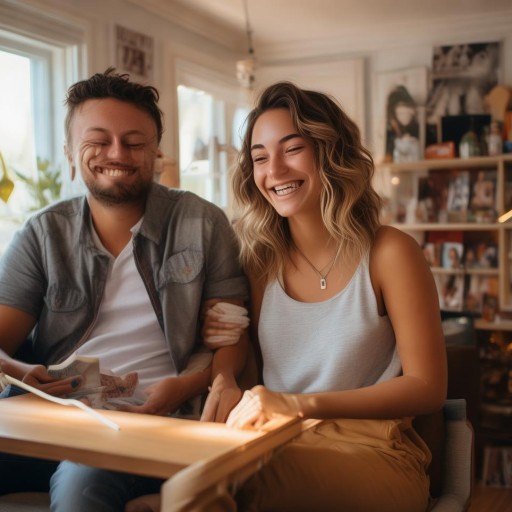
{"points": [[6, 184], [46, 187]]}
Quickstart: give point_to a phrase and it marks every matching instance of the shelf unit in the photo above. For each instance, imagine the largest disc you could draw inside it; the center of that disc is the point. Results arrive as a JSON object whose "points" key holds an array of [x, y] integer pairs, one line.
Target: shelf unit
{"points": [[399, 184]]}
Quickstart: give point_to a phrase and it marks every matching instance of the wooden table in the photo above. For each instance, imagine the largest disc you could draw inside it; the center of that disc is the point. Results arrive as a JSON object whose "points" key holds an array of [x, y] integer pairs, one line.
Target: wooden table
{"points": [[199, 460]]}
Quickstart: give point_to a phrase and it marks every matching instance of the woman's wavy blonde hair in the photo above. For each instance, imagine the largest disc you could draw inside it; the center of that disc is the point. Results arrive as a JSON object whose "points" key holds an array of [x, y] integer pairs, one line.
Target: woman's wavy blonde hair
{"points": [[350, 206]]}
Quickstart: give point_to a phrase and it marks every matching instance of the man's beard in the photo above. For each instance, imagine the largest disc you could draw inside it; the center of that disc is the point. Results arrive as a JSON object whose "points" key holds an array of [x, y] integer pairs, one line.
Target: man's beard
{"points": [[120, 194]]}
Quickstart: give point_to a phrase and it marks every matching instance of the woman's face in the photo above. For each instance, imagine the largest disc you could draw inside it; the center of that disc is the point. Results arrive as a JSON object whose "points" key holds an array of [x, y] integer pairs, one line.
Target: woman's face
{"points": [[404, 114], [284, 165]]}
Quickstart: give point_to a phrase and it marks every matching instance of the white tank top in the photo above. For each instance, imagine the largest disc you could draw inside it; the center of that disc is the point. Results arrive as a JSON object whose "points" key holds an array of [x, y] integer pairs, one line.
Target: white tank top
{"points": [[341, 343]]}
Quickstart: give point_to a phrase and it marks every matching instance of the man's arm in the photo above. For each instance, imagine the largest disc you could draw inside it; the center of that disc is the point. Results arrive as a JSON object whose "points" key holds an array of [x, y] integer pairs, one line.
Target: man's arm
{"points": [[15, 326]]}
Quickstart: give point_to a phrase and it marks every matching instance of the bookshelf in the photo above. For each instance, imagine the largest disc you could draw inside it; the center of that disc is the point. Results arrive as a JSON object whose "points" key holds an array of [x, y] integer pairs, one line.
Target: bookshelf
{"points": [[451, 207], [420, 198]]}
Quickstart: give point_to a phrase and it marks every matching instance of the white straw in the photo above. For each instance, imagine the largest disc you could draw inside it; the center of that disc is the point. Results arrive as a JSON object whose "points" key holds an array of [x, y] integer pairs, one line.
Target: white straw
{"points": [[62, 401]]}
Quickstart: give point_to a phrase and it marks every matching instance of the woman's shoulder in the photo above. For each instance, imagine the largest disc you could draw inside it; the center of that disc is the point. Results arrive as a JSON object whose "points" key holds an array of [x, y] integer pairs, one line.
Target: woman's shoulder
{"points": [[393, 248]]}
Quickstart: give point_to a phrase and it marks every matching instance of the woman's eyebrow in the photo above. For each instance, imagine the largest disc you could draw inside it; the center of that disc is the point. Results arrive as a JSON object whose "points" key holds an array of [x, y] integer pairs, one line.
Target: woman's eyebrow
{"points": [[280, 141]]}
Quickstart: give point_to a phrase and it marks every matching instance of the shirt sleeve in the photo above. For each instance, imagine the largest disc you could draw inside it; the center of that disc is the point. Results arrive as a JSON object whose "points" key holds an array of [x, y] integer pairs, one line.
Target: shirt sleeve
{"points": [[22, 281]]}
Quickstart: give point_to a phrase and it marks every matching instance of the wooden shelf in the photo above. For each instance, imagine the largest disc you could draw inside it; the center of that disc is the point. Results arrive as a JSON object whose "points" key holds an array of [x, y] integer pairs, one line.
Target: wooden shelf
{"points": [[448, 163], [400, 183], [500, 325]]}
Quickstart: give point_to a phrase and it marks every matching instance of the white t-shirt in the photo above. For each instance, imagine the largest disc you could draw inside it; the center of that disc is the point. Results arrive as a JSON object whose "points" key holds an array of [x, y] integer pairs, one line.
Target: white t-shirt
{"points": [[126, 336]]}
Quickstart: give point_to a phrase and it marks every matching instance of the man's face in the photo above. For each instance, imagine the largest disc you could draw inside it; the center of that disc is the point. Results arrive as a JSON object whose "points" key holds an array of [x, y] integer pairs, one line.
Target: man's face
{"points": [[114, 144]]}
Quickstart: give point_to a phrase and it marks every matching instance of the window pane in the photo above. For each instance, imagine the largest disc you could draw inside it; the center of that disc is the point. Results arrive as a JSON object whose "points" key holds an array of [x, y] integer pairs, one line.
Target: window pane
{"points": [[16, 140], [195, 120]]}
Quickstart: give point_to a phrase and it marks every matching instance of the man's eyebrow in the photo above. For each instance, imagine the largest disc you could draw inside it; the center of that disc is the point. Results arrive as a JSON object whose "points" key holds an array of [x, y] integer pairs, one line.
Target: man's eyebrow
{"points": [[103, 130], [280, 141]]}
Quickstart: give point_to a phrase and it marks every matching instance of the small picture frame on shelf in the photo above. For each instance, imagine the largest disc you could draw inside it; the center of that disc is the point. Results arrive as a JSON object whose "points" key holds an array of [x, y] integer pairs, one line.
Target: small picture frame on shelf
{"points": [[458, 196], [450, 290], [452, 255], [482, 201], [432, 253]]}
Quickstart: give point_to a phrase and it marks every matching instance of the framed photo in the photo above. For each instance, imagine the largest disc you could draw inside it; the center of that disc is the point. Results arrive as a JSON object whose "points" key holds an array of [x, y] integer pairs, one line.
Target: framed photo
{"points": [[450, 291], [462, 75], [452, 255], [134, 53], [409, 88]]}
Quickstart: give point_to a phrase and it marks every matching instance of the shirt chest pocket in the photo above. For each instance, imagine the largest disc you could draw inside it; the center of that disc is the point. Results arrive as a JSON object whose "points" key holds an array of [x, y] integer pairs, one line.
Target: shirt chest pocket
{"points": [[64, 299], [182, 267]]}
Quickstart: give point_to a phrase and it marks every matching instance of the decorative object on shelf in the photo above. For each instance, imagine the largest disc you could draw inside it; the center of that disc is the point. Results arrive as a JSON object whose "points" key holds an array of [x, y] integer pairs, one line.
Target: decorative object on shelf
{"points": [[469, 145], [6, 184], [494, 139], [497, 101], [245, 68], [453, 128], [440, 150]]}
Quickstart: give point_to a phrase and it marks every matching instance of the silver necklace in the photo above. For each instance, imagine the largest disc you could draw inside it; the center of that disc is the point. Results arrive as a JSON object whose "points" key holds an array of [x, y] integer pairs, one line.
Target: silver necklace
{"points": [[323, 277]]}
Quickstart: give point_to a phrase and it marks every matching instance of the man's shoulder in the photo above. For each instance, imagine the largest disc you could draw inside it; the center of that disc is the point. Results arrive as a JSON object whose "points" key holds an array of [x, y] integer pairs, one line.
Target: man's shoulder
{"points": [[64, 207], [175, 201]]}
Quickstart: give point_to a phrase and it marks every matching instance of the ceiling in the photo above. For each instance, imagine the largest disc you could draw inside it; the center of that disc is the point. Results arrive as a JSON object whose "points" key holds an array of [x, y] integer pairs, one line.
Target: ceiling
{"points": [[305, 25]]}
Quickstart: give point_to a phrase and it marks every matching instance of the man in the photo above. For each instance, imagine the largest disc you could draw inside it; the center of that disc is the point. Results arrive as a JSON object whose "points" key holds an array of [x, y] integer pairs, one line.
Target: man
{"points": [[122, 274]]}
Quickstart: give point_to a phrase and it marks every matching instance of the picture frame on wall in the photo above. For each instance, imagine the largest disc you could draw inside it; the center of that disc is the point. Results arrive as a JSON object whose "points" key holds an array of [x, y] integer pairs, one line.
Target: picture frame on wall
{"points": [[462, 75], [407, 87], [134, 53]]}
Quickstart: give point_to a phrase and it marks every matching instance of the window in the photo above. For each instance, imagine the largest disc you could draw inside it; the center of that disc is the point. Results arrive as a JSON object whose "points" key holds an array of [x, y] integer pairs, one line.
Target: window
{"points": [[210, 126], [36, 71]]}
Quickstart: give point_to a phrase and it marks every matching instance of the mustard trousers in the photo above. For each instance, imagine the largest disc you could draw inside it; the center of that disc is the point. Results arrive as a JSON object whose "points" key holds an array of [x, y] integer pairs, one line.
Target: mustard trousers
{"points": [[344, 466]]}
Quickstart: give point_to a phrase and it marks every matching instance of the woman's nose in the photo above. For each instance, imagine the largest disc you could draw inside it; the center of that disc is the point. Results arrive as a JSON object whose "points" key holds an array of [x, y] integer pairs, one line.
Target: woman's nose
{"points": [[277, 166]]}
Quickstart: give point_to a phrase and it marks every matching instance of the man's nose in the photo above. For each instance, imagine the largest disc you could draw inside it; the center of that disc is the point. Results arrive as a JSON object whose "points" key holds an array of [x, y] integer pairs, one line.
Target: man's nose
{"points": [[116, 149]]}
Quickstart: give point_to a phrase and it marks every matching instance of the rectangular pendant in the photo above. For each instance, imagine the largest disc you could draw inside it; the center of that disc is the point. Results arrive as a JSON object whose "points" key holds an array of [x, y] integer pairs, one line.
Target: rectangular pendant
{"points": [[323, 284]]}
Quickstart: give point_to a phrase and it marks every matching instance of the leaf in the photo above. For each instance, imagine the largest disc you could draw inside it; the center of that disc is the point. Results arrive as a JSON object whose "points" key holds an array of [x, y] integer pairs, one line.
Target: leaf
{"points": [[6, 184]]}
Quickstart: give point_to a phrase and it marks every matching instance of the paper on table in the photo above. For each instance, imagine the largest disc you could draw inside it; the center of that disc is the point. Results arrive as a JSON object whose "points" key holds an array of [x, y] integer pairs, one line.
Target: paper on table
{"points": [[4, 378]]}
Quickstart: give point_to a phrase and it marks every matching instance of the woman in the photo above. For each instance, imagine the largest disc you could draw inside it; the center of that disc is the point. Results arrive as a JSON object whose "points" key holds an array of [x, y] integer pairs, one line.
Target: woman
{"points": [[346, 313]]}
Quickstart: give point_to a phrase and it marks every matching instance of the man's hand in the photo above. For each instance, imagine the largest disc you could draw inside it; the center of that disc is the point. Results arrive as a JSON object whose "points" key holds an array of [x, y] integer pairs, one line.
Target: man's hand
{"points": [[259, 405], [166, 396], [224, 395], [37, 376]]}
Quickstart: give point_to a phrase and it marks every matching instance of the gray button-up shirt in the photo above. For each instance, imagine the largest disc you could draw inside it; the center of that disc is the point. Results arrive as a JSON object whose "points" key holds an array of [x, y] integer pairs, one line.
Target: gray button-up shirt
{"points": [[185, 251]]}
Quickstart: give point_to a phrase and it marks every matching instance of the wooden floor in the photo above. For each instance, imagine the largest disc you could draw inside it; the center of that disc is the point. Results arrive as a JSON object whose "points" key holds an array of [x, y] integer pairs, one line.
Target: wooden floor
{"points": [[491, 499]]}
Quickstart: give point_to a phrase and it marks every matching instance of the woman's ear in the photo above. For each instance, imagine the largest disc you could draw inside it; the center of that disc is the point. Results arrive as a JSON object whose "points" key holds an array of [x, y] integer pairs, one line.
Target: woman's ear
{"points": [[69, 156]]}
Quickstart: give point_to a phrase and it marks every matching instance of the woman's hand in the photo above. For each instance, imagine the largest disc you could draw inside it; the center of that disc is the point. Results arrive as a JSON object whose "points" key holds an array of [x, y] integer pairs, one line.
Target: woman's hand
{"points": [[260, 405], [223, 396], [217, 331]]}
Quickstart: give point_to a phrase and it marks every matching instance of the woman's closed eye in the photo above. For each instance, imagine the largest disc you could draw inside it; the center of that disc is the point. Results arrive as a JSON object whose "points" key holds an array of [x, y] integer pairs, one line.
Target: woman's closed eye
{"points": [[258, 159], [294, 149]]}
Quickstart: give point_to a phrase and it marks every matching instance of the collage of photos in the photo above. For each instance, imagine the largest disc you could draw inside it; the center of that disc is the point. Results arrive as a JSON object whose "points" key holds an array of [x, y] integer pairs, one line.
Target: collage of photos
{"points": [[465, 289], [420, 107], [456, 196]]}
